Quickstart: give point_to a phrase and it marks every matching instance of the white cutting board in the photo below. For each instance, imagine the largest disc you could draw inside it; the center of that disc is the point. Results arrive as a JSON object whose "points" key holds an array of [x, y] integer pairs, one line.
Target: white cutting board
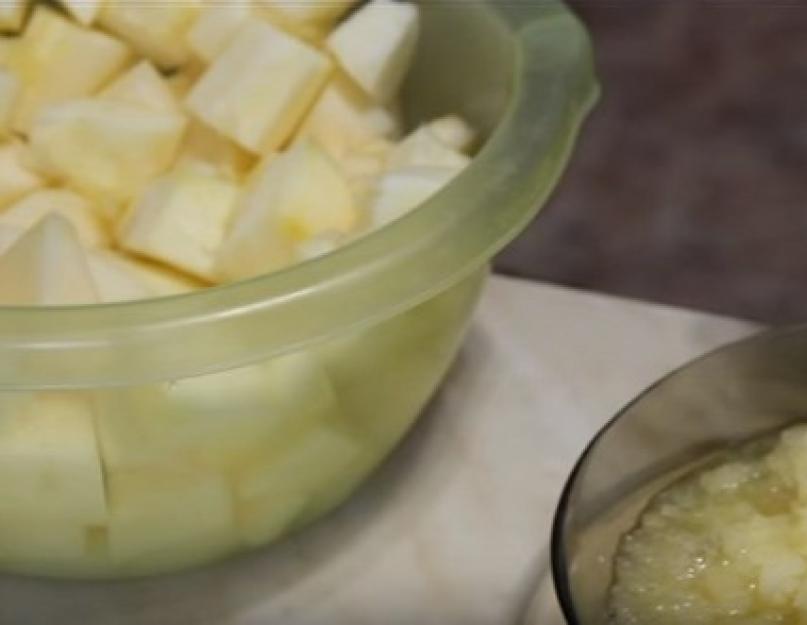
{"points": [[453, 530]]}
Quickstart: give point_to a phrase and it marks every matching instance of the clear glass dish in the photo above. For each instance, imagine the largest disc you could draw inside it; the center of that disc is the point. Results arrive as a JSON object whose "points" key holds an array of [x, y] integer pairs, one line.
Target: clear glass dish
{"points": [[151, 436], [745, 390]]}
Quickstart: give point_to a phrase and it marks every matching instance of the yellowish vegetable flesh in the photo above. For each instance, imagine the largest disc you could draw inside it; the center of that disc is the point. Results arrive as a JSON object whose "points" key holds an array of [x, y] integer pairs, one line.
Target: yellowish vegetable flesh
{"points": [[54, 266], [105, 148], [58, 60], [727, 544], [16, 177], [235, 97], [156, 30]]}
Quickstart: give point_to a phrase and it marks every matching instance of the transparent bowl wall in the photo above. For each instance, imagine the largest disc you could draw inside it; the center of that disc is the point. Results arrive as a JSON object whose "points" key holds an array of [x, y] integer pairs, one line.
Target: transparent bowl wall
{"points": [[744, 390], [225, 418]]}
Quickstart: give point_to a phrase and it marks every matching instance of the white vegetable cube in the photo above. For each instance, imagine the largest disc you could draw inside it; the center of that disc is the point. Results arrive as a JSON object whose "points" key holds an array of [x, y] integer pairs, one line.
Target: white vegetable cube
{"points": [[301, 390], [454, 132], [208, 150], [113, 279], [402, 190], [363, 167], [16, 178], [181, 219], [7, 44], [157, 30], [29, 210], [344, 118], [292, 198], [167, 519], [121, 278], [83, 11], [260, 87], [8, 236], [310, 12], [49, 463], [308, 460], [54, 264], [215, 420], [376, 45], [107, 149], [10, 88], [12, 14], [144, 86], [215, 28], [275, 489], [57, 60], [301, 21], [422, 148]]}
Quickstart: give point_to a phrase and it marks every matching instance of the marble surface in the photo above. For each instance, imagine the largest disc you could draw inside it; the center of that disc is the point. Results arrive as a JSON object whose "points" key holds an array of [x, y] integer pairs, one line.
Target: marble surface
{"points": [[453, 530]]}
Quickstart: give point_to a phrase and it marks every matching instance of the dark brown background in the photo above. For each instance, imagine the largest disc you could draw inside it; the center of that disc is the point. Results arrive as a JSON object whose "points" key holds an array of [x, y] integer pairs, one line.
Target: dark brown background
{"points": [[690, 183]]}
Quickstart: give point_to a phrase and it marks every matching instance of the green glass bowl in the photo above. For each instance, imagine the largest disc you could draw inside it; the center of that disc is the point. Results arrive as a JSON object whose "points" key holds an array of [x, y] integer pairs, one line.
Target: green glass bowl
{"points": [[147, 437]]}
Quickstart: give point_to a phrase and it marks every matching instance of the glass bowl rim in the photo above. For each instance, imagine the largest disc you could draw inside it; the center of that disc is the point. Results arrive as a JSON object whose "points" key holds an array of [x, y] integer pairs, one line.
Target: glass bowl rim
{"points": [[377, 275]]}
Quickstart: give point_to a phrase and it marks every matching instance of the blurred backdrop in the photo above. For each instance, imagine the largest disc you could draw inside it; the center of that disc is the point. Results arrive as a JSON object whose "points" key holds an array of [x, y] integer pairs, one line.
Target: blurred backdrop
{"points": [[689, 186]]}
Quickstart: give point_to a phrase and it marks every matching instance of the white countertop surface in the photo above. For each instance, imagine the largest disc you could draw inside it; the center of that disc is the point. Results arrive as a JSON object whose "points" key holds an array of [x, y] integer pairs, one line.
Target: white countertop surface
{"points": [[453, 530]]}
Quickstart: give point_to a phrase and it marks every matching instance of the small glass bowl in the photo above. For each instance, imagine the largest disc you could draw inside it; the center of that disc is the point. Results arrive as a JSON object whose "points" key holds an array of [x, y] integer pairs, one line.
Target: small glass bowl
{"points": [[744, 390]]}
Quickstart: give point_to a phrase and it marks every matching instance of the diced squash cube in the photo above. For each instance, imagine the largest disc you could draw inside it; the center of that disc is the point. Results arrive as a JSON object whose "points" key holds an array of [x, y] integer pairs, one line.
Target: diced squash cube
{"points": [[422, 148], [208, 150], [376, 45], [344, 118], [402, 190], [294, 197], [7, 44], [121, 278], [157, 30], [16, 178], [50, 469], [274, 489], [113, 280], [83, 11], [12, 14], [260, 87], [165, 520], [29, 210], [311, 32], [215, 28], [144, 86], [180, 219], [53, 262], [364, 166], [10, 88], [215, 420], [454, 132], [317, 452], [8, 236], [313, 13], [107, 149], [57, 60]]}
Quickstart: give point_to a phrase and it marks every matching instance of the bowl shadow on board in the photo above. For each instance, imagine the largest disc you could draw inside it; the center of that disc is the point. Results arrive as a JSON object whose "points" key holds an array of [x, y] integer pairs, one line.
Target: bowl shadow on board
{"points": [[287, 573]]}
